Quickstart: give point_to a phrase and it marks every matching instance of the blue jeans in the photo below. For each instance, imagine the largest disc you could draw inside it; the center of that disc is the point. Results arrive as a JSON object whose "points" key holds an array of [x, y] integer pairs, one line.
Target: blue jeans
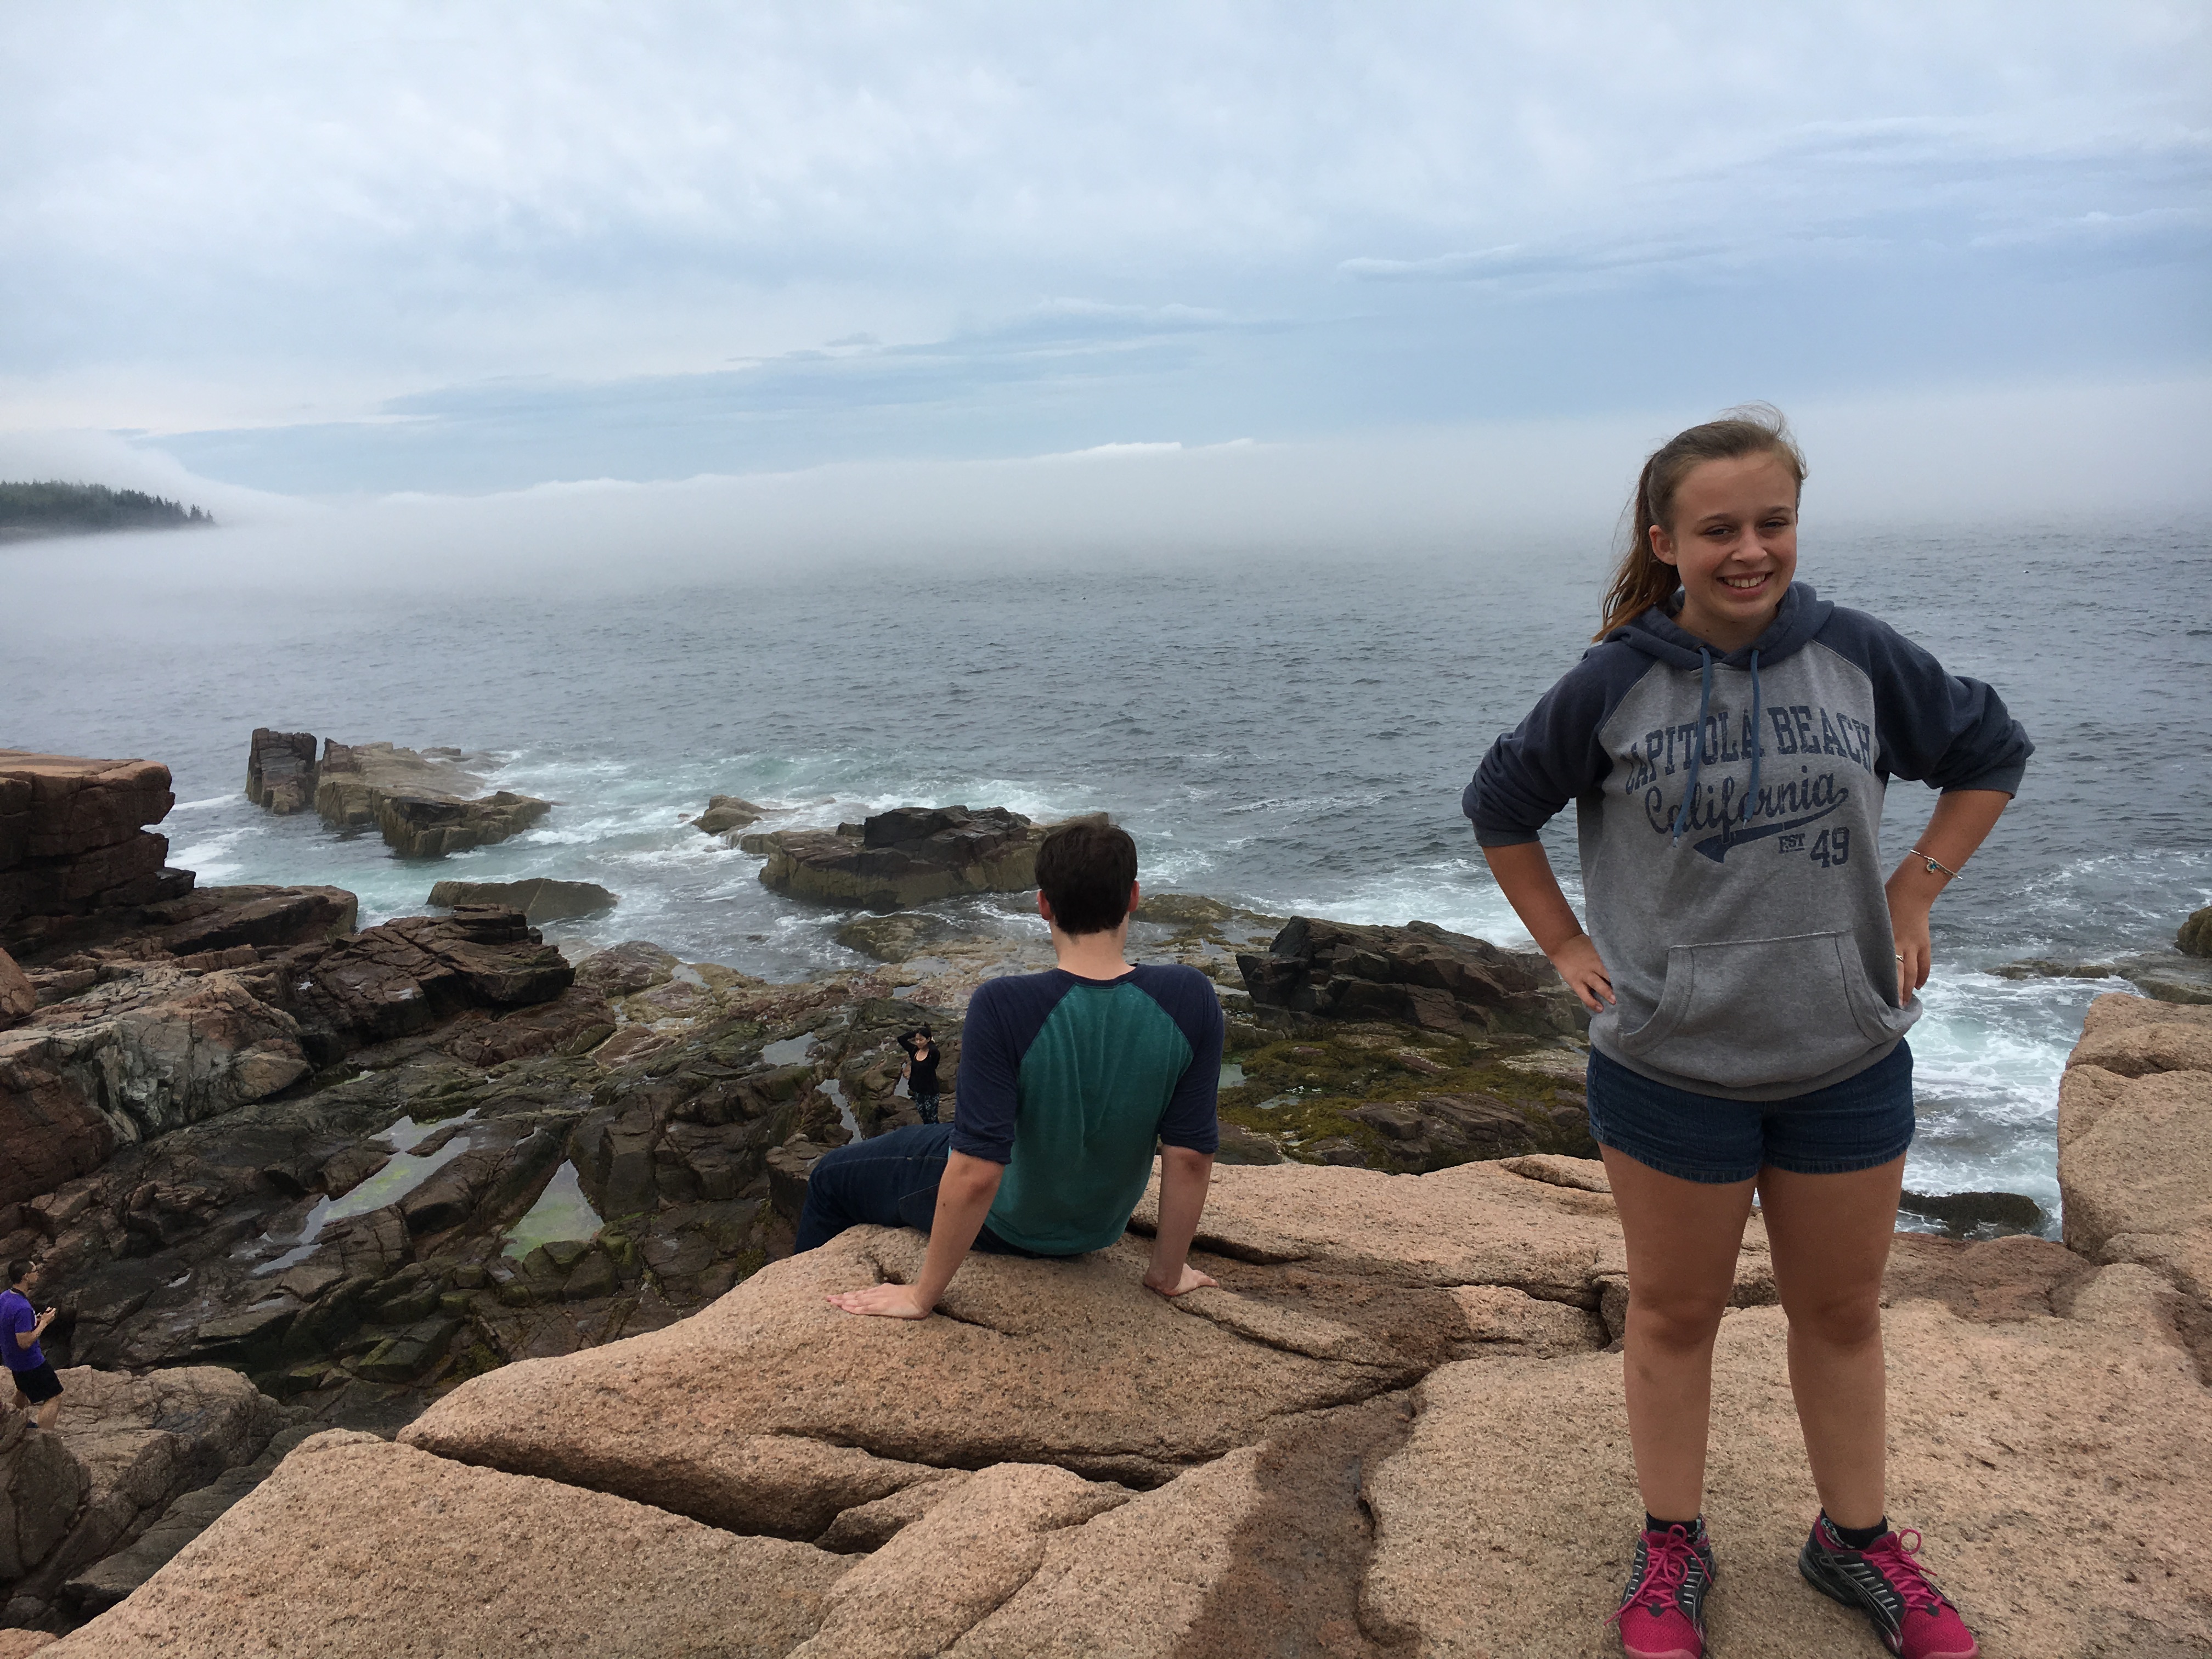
{"points": [[888, 1182]]}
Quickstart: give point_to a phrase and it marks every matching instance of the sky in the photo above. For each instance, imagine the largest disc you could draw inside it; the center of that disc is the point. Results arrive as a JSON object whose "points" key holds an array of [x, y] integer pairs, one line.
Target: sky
{"points": [[1354, 255]]}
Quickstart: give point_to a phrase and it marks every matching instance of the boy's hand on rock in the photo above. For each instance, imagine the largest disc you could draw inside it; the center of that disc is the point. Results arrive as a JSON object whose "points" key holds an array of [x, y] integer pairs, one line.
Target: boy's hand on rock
{"points": [[1188, 1280], [889, 1301]]}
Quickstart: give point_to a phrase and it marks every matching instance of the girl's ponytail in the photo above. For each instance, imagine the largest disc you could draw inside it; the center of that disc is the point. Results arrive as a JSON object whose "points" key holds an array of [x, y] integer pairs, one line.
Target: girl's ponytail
{"points": [[1642, 579]]}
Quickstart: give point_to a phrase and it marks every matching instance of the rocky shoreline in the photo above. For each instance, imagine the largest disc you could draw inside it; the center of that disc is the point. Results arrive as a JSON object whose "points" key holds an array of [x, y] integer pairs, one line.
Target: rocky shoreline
{"points": [[529, 1211]]}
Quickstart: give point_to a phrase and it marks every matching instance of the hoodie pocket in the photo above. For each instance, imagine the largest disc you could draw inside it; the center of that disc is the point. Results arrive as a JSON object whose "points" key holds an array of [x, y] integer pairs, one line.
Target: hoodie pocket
{"points": [[1753, 1013]]}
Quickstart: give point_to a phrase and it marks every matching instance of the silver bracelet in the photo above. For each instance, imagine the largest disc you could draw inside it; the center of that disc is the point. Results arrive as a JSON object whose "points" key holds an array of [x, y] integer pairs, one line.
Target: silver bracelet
{"points": [[1935, 865]]}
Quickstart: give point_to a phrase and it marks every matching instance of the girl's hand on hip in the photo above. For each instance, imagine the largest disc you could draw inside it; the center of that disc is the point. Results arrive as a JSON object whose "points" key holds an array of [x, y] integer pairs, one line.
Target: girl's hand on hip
{"points": [[1908, 928], [1578, 963]]}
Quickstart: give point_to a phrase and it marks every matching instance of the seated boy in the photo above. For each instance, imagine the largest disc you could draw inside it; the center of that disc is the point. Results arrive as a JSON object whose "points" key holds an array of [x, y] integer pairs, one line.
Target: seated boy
{"points": [[1066, 1079]]}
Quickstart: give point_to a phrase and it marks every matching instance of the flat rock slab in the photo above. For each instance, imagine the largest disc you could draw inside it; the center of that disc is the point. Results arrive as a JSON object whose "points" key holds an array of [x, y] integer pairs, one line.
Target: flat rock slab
{"points": [[540, 899], [1505, 1523], [907, 856], [735, 1414], [358, 1547], [421, 801], [1476, 1224]]}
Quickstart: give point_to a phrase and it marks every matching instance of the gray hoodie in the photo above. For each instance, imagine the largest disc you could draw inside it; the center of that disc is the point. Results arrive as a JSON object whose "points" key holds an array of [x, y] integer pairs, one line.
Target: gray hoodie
{"points": [[1729, 808]]}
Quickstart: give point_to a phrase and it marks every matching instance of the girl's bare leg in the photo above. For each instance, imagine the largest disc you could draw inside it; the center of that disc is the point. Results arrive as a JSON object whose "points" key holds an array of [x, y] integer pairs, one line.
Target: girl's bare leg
{"points": [[1831, 1236], [1682, 1239]]}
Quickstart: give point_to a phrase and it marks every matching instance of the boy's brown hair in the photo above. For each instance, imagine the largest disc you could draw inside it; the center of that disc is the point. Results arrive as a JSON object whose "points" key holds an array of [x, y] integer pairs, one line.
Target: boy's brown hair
{"points": [[1086, 868]]}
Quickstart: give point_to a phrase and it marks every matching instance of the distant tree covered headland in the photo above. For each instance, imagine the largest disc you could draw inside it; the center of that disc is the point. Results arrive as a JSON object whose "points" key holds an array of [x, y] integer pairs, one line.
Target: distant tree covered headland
{"points": [[52, 508]]}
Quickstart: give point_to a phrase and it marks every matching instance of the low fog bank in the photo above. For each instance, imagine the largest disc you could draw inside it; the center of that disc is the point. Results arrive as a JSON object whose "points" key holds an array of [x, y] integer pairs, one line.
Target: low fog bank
{"points": [[1542, 488]]}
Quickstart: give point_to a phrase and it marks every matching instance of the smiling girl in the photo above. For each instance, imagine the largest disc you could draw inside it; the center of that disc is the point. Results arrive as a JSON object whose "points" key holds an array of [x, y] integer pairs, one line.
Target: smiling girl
{"points": [[1750, 977]]}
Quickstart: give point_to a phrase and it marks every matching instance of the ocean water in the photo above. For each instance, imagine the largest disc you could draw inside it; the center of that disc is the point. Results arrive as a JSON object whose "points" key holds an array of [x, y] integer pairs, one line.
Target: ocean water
{"points": [[1289, 732]]}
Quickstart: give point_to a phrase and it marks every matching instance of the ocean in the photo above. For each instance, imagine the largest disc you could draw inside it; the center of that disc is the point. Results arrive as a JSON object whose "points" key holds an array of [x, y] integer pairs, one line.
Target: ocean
{"points": [[1290, 732]]}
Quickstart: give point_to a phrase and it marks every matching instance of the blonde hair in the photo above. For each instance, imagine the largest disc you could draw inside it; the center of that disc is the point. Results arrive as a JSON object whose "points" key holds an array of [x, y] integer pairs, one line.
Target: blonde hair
{"points": [[1642, 579]]}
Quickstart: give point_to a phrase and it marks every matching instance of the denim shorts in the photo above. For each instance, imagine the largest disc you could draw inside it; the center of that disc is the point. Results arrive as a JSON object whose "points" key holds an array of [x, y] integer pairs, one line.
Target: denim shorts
{"points": [[1858, 1123]]}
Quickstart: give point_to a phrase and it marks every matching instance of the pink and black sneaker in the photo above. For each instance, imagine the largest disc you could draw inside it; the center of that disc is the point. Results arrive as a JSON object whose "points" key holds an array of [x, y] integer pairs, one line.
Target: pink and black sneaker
{"points": [[1914, 1619], [1662, 1615]]}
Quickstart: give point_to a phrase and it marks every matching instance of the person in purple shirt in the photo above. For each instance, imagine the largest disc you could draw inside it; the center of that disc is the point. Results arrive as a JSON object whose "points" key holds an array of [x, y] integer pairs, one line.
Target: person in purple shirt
{"points": [[38, 1390]]}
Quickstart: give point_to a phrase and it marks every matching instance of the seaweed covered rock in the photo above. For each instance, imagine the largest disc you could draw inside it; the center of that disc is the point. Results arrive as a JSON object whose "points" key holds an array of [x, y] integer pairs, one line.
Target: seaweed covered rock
{"points": [[898, 936], [1434, 1132], [909, 856], [1417, 974]]}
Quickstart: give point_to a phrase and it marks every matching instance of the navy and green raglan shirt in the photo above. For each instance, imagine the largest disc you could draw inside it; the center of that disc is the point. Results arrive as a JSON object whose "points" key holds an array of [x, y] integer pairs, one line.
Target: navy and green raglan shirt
{"points": [[1729, 805], [1068, 1082]]}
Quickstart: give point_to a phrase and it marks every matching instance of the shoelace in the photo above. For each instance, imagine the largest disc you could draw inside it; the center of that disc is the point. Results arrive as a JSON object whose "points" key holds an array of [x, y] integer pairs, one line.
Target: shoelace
{"points": [[1892, 1559], [1666, 1564]]}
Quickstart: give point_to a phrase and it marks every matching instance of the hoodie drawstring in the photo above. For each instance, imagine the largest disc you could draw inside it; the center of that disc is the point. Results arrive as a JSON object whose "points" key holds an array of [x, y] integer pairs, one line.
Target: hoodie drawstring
{"points": [[1697, 750], [1758, 741], [1698, 746]]}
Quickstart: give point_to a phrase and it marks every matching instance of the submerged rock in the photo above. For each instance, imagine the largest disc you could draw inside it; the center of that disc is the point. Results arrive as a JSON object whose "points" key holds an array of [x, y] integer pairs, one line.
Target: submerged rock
{"points": [[898, 936], [1985, 1214], [909, 856], [1418, 974], [2169, 976], [725, 813], [539, 898], [2164, 975]]}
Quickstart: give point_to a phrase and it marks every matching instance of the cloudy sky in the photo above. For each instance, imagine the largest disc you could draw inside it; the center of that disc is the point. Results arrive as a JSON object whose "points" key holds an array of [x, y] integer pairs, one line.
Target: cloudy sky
{"points": [[465, 248]]}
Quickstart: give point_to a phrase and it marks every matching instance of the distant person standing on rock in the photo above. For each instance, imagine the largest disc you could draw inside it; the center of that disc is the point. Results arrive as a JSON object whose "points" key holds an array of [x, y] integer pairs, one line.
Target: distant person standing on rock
{"points": [[38, 1390], [920, 1072], [1727, 743], [1069, 1080]]}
